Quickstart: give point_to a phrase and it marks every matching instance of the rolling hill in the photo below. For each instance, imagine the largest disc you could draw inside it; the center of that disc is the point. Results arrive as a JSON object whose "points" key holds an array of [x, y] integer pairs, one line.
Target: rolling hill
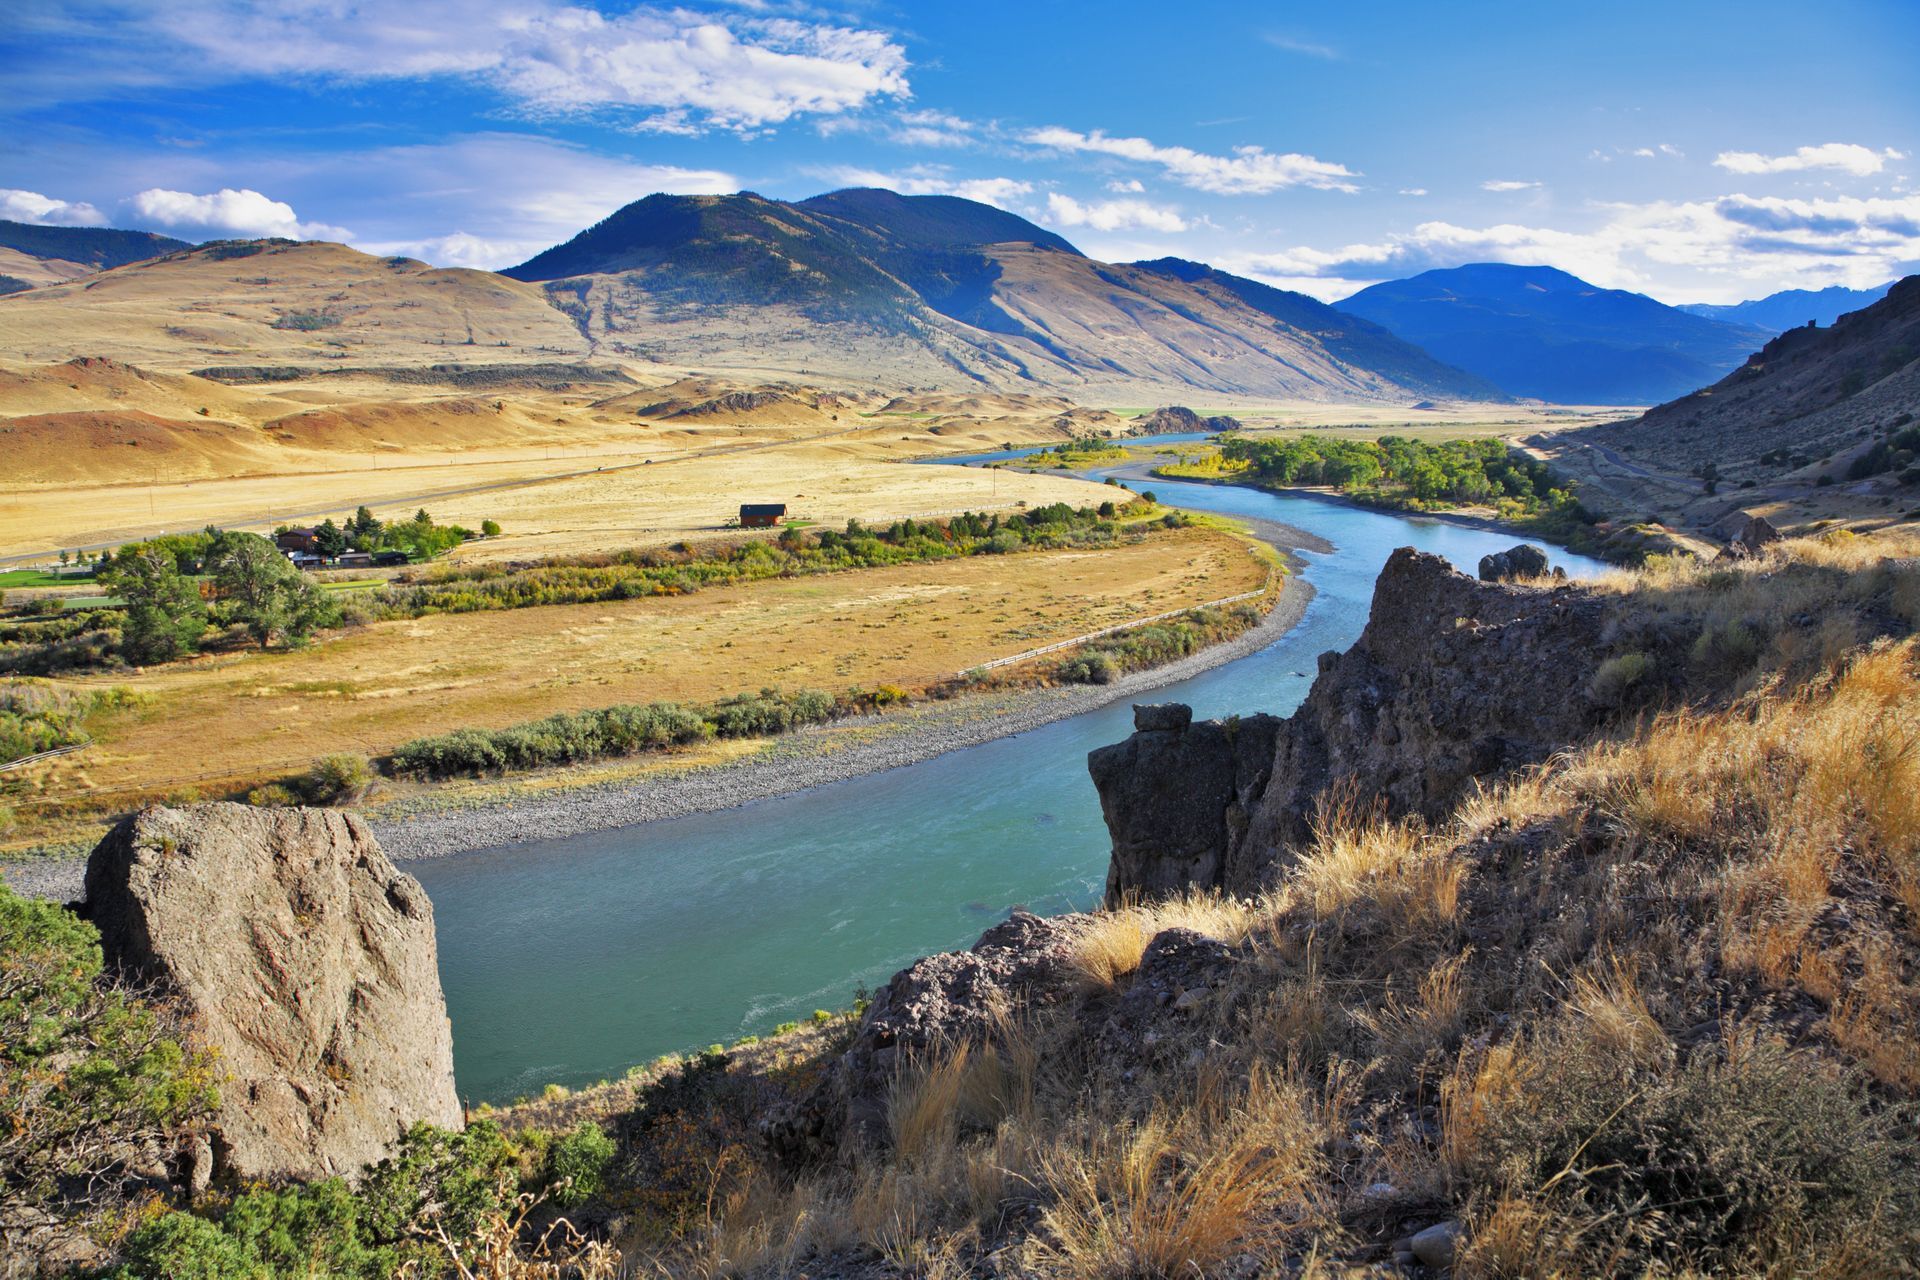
{"points": [[943, 292], [305, 304], [32, 255], [1541, 333], [1791, 308]]}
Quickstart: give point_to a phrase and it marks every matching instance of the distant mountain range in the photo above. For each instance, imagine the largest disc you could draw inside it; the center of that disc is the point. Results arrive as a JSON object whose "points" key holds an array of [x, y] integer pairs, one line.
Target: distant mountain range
{"points": [[1541, 333], [944, 291], [1791, 308]]}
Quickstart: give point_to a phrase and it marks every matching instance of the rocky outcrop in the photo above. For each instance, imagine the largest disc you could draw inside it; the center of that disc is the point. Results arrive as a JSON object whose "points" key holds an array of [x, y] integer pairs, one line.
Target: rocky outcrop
{"points": [[1452, 680], [939, 1001], [305, 959], [1748, 535], [1177, 419], [1178, 798]]}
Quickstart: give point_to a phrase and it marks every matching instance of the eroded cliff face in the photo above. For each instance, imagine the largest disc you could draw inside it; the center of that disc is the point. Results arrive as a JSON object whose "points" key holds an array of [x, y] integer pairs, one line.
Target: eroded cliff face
{"points": [[1453, 680], [306, 959]]}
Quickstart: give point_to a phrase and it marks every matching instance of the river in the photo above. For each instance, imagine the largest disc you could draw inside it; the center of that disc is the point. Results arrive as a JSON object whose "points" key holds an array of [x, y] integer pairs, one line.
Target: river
{"points": [[567, 961]]}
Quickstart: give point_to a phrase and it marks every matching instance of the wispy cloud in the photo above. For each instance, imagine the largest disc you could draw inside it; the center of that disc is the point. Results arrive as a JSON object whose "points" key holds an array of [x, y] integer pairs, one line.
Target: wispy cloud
{"points": [[1507, 184], [672, 70], [1413, 191], [1248, 171], [1112, 215], [1306, 48], [1843, 157], [1735, 239]]}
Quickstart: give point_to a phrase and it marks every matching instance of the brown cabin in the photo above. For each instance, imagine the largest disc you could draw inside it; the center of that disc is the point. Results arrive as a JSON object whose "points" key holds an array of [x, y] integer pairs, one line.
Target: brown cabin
{"points": [[761, 515], [298, 540]]}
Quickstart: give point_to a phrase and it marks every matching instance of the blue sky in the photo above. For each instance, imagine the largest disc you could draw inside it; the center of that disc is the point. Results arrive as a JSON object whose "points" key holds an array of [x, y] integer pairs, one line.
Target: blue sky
{"points": [[1694, 151]]}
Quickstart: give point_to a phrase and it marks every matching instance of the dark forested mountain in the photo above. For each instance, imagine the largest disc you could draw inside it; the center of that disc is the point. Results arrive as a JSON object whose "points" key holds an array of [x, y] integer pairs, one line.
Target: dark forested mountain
{"points": [[943, 291], [96, 247], [1540, 332], [1791, 308]]}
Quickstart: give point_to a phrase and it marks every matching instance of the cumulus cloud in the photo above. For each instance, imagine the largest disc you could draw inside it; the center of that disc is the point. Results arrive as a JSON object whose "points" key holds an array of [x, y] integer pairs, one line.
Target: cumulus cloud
{"points": [[227, 213], [1112, 215], [1507, 184], [1723, 245], [1843, 157], [669, 69], [44, 211], [1248, 171], [1127, 186]]}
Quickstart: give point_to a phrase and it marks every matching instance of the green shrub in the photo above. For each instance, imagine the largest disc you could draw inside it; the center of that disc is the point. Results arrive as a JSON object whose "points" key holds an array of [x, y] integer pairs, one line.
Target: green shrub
{"points": [[576, 1164], [272, 795], [339, 779], [490, 528], [1618, 681], [1726, 651]]}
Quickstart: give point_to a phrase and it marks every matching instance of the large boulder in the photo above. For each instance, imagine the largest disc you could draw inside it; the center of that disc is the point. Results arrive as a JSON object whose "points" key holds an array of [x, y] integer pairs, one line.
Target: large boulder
{"points": [[306, 960], [1453, 680], [1178, 797], [1521, 561]]}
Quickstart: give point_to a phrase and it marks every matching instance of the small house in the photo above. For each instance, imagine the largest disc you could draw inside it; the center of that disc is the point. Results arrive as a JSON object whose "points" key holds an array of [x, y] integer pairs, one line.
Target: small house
{"points": [[389, 559], [761, 515], [307, 540], [354, 560]]}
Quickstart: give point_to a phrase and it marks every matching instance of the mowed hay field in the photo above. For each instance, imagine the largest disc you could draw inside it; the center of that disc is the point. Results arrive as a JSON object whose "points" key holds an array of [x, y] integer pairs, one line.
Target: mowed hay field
{"points": [[219, 724]]}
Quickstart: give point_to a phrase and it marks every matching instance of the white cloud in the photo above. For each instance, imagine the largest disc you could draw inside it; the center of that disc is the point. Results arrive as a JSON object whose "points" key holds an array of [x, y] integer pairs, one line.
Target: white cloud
{"points": [[1127, 186], [1845, 157], [244, 214], [1499, 184], [670, 69], [44, 211], [932, 129], [459, 250], [1413, 191], [1248, 171], [928, 180], [1724, 246], [1308, 48], [1112, 215]]}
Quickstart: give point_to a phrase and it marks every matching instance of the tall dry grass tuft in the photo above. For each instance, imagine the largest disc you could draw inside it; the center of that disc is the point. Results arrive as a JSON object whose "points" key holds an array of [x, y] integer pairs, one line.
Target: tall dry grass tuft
{"points": [[1185, 1189], [1110, 945], [1391, 868]]}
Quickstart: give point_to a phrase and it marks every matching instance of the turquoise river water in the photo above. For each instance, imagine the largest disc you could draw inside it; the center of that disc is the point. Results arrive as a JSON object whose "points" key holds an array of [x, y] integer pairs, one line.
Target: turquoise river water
{"points": [[570, 960]]}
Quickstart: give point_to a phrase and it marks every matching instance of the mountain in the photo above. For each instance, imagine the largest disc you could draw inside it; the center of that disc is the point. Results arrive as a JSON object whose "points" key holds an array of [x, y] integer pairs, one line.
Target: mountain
{"points": [[304, 303], [1805, 406], [1352, 338], [1791, 308], [940, 291], [36, 255], [1542, 333]]}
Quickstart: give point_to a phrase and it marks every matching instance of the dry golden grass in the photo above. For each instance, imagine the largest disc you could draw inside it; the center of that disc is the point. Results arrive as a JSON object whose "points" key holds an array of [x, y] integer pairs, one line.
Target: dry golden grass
{"points": [[228, 722]]}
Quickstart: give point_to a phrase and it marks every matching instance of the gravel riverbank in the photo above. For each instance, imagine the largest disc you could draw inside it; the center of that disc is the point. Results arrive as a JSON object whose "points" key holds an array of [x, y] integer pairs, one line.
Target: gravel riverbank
{"points": [[809, 758]]}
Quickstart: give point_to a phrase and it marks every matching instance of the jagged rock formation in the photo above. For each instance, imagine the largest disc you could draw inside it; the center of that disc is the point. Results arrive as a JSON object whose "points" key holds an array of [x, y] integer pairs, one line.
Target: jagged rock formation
{"points": [[1178, 798], [307, 961], [1749, 535], [1452, 680]]}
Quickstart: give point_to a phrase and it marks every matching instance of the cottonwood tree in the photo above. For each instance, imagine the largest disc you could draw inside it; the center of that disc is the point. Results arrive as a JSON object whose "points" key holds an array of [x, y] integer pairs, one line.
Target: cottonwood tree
{"points": [[165, 616], [259, 589]]}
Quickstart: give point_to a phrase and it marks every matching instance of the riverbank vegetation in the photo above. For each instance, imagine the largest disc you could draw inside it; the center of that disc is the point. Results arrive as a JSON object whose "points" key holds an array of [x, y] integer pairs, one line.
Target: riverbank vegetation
{"points": [[1400, 473], [182, 594]]}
